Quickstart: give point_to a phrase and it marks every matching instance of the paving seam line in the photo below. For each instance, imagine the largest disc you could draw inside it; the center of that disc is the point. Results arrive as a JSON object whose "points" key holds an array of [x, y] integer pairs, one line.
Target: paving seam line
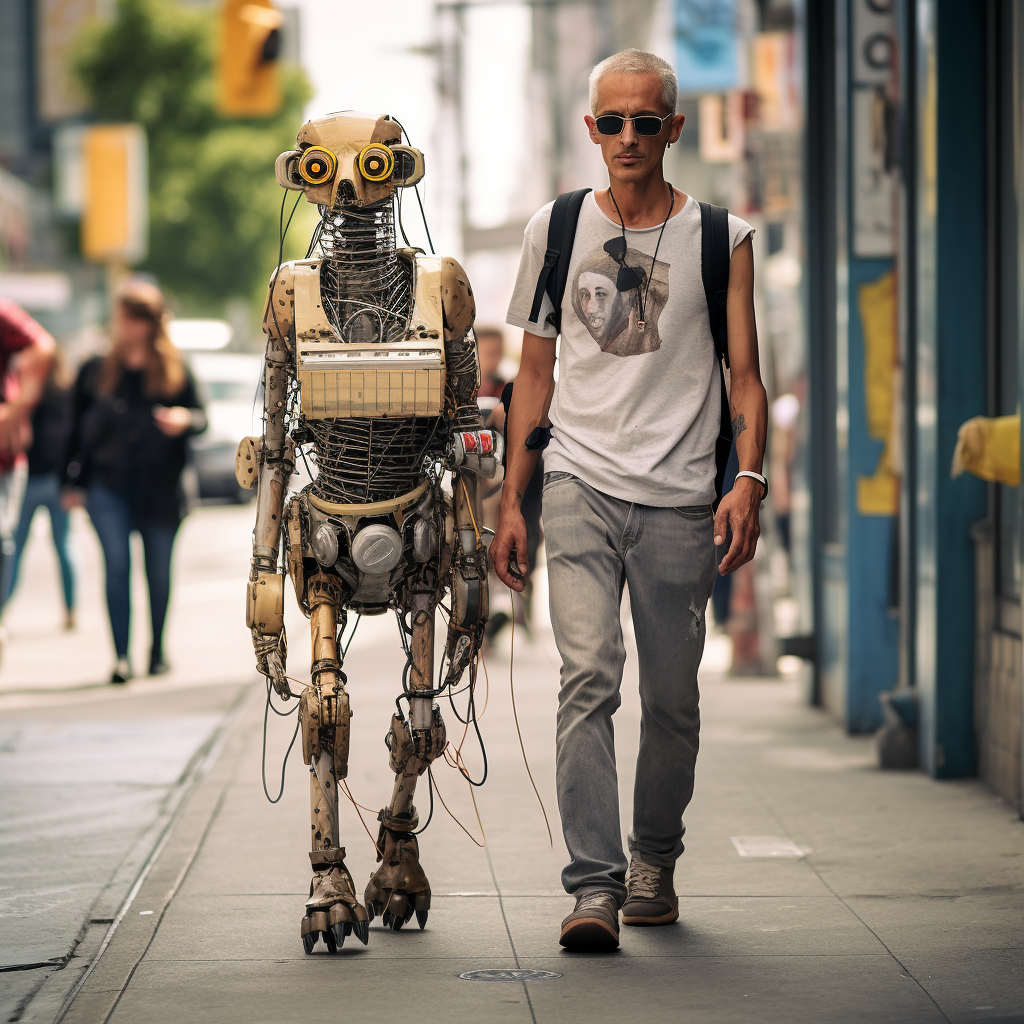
{"points": [[195, 772], [508, 932]]}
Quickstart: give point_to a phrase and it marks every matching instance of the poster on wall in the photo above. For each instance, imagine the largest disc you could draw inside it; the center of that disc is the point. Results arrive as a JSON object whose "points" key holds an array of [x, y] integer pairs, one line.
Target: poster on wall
{"points": [[874, 177], [707, 57], [872, 157]]}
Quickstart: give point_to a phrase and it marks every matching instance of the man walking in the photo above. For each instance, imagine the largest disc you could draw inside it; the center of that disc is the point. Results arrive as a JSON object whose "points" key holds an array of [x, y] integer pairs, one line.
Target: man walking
{"points": [[629, 489]]}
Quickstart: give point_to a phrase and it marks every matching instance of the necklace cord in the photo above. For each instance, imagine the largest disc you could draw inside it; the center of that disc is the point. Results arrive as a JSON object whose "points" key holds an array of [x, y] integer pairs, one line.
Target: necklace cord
{"points": [[642, 299]]}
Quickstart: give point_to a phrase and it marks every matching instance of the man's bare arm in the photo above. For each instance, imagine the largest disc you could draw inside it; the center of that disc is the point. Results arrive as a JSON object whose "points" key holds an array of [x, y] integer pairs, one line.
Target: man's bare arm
{"points": [[740, 508], [530, 400]]}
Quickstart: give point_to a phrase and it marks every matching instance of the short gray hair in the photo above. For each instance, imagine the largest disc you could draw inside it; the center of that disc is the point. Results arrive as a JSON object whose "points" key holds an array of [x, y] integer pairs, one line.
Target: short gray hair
{"points": [[636, 62]]}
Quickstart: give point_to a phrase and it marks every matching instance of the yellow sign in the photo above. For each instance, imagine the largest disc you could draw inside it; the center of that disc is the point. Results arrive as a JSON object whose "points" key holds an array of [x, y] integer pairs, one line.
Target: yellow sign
{"points": [[247, 76], [115, 213], [878, 495]]}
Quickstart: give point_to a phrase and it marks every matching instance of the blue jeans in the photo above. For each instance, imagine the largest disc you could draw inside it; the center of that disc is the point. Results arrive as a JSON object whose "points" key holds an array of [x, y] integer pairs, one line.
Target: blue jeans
{"points": [[42, 491], [595, 545], [111, 514]]}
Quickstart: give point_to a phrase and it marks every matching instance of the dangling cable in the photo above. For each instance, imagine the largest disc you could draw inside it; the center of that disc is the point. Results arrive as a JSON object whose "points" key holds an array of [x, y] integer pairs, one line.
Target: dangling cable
{"points": [[456, 820], [284, 763], [515, 715], [344, 788]]}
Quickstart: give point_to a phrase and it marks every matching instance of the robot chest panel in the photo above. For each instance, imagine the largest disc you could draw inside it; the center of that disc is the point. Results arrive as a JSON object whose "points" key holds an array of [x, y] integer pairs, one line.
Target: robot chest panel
{"points": [[394, 379]]}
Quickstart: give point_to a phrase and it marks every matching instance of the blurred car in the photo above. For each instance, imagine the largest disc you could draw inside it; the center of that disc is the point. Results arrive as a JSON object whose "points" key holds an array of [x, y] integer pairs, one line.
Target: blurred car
{"points": [[229, 385]]}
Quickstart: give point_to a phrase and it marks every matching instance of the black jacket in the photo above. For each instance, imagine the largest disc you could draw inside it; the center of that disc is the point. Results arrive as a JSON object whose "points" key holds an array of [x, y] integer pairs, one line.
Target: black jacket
{"points": [[51, 428], [116, 443]]}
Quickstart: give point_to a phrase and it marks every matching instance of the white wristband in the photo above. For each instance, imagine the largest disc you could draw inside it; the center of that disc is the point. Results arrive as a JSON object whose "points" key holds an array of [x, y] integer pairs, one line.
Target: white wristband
{"points": [[762, 480]]}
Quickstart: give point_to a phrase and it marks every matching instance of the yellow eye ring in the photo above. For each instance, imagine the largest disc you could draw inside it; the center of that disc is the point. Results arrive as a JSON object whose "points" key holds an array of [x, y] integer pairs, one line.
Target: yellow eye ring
{"points": [[376, 162], [317, 165]]}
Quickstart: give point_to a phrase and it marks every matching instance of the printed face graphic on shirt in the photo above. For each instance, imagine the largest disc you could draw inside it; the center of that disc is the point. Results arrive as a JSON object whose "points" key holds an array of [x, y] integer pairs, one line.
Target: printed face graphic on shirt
{"points": [[613, 317], [605, 310]]}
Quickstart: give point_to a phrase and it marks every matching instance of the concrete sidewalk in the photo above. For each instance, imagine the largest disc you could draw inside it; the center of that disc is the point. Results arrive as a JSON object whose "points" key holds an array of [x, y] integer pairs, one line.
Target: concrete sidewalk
{"points": [[900, 901]]}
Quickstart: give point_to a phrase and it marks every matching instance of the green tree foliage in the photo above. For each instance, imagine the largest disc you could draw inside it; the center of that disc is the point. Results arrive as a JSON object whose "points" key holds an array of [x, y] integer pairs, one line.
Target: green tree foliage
{"points": [[213, 200]]}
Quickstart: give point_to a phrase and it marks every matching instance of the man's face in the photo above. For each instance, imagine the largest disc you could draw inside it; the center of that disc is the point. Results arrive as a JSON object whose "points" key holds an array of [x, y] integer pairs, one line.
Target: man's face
{"points": [[605, 312], [631, 157]]}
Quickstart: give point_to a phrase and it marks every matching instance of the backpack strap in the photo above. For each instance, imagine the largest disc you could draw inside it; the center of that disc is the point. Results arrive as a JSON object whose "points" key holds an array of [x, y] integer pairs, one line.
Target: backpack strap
{"points": [[565, 215], [714, 271]]}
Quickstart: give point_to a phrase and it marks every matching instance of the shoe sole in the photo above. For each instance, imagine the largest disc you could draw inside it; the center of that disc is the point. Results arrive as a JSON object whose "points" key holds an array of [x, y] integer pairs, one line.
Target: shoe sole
{"points": [[589, 934], [668, 918]]}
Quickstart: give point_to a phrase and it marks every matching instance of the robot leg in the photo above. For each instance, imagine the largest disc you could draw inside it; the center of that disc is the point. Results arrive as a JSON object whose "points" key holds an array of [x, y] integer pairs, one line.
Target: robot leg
{"points": [[332, 910], [399, 887]]}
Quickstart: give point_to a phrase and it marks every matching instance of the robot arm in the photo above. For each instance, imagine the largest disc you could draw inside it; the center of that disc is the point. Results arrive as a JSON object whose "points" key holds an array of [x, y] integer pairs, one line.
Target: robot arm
{"points": [[269, 462], [472, 453]]}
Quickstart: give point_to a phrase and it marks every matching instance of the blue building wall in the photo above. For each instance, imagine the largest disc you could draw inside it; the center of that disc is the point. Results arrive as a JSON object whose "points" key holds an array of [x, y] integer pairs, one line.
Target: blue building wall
{"points": [[951, 369], [873, 630]]}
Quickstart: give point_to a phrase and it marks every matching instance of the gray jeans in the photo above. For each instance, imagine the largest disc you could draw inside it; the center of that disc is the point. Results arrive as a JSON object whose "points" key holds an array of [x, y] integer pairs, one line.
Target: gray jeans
{"points": [[595, 544]]}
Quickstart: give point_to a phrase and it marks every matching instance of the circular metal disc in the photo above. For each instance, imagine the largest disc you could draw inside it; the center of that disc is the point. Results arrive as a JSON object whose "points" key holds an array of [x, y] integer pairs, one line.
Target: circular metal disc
{"points": [[508, 974]]}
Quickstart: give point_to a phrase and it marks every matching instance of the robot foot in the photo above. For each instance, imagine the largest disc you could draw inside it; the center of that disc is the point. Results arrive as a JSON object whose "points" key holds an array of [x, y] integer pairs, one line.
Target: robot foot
{"points": [[398, 888], [333, 911]]}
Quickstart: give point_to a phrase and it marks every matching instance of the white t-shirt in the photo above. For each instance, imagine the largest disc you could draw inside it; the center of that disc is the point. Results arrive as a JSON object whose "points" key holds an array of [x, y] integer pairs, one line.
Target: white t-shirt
{"points": [[635, 414]]}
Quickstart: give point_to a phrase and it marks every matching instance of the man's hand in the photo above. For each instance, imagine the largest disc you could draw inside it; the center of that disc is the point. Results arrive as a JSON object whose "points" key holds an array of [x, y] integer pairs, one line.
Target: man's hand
{"points": [[15, 429], [172, 420], [508, 537], [740, 509]]}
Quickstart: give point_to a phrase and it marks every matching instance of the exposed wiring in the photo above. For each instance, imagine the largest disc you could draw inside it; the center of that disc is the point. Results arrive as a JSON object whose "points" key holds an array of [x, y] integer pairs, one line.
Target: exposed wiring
{"points": [[430, 814], [344, 788], [456, 820], [515, 715], [284, 762], [423, 214]]}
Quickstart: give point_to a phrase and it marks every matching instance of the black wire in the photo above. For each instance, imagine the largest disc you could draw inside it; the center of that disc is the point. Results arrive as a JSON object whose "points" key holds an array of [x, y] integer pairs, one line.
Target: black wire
{"points": [[284, 763], [423, 214], [281, 714], [351, 635], [430, 787], [401, 226]]}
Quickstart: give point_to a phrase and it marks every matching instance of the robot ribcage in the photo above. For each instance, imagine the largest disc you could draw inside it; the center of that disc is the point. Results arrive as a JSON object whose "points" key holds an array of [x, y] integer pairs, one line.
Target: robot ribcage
{"points": [[365, 287], [372, 460]]}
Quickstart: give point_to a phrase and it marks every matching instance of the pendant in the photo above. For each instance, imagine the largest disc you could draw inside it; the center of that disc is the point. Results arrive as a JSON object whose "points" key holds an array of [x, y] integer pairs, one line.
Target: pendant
{"points": [[640, 325]]}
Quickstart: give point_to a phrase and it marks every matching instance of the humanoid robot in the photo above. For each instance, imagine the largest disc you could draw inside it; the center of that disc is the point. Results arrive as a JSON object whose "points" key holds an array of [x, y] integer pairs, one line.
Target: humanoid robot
{"points": [[371, 368]]}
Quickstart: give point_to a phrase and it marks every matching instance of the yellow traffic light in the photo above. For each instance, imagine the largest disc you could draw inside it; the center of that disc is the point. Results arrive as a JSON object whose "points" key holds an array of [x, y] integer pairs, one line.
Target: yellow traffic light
{"points": [[115, 191], [247, 75]]}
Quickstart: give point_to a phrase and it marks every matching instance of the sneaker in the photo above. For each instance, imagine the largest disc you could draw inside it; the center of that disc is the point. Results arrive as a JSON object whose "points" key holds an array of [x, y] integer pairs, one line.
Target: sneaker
{"points": [[650, 897], [158, 667], [593, 925], [122, 671]]}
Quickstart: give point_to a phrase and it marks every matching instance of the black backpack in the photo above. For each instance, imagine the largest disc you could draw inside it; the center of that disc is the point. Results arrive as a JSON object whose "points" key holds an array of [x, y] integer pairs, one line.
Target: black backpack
{"points": [[714, 271]]}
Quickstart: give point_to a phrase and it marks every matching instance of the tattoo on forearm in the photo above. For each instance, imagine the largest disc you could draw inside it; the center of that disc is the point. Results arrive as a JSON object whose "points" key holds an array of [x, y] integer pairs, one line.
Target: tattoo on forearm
{"points": [[739, 424]]}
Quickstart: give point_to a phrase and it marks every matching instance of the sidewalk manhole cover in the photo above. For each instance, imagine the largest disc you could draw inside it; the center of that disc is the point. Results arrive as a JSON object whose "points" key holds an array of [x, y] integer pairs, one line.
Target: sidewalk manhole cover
{"points": [[508, 975]]}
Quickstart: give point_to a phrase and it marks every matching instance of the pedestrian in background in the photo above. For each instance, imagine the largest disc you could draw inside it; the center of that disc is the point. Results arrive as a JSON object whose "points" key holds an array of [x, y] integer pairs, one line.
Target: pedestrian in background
{"points": [[133, 411], [491, 349], [51, 429], [26, 352]]}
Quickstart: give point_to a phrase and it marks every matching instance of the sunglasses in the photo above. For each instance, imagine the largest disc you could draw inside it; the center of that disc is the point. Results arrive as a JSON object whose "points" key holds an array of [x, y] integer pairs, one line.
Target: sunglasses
{"points": [[645, 124], [627, 278]]}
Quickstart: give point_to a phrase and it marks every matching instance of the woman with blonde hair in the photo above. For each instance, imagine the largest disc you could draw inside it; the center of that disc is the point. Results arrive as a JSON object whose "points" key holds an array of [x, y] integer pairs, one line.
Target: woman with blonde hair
{"points": [[134, 409]]}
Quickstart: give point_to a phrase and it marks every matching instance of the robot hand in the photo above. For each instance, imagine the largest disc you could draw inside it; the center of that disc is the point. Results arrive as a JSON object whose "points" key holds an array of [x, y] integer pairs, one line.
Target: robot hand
{"points": [[271, 660]]}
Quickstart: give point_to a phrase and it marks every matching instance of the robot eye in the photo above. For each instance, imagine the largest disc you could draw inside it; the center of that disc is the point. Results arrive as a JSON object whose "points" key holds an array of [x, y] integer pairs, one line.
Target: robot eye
{"points": [[376, 162], [317, 165]]}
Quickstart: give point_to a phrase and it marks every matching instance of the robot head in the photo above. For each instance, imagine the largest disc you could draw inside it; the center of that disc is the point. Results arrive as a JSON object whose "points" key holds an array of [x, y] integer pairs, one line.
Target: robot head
{"points": [[350, 159]]}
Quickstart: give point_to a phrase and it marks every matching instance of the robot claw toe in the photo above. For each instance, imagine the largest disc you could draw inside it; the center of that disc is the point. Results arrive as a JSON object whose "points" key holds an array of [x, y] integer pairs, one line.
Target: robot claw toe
{"points": [[333, 926]]}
